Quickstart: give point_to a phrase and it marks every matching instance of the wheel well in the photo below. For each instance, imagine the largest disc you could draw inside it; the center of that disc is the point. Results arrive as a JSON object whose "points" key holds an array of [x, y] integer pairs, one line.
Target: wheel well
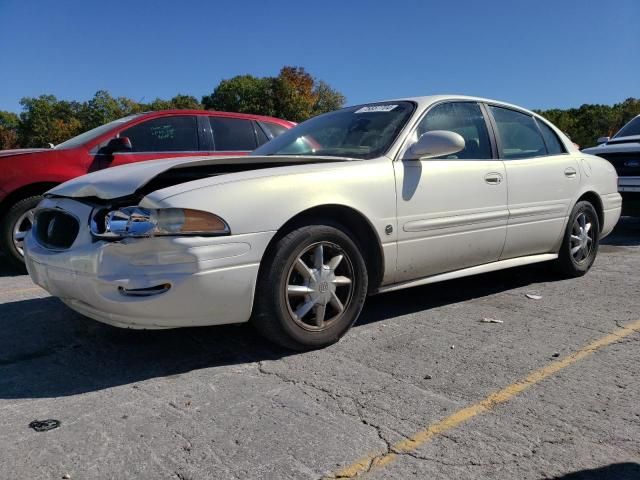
{"points": [[351, 220], [24, 192], [594, 199]]}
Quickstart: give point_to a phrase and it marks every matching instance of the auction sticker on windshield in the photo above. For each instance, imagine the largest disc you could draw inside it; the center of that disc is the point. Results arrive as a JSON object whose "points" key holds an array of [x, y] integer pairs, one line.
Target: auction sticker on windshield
{"points": [[376, 108]]}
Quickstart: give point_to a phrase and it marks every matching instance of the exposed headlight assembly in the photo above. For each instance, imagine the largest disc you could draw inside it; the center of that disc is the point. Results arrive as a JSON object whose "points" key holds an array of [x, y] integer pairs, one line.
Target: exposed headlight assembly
{"points": [[146, 222]]}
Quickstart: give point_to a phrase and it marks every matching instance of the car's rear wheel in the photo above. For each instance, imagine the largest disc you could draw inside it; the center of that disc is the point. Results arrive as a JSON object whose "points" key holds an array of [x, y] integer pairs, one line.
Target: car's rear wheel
{"points": [[14, 228], [580, 244], [311, 287]]}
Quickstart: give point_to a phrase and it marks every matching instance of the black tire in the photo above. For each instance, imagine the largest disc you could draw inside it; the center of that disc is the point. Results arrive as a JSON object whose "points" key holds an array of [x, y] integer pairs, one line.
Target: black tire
{"points": [[567, 264], [7, 224], [274, 315]]}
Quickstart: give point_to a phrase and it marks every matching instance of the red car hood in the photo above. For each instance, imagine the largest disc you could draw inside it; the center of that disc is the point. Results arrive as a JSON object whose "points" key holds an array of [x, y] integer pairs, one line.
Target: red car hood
{"points": [[22, 151]]}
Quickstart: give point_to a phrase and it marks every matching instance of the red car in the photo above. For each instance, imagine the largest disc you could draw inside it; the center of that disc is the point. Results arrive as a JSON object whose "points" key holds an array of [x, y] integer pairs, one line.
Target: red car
{"points": [[27, 173]]}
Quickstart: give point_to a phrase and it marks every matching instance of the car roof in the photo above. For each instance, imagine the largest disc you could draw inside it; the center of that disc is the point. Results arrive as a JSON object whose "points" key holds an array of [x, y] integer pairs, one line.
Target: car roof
{"points": [[215, 113], [424, 101]]}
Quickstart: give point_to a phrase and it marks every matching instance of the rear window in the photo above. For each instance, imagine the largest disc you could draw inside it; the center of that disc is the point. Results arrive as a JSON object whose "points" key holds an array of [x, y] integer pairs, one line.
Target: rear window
{"points": [[233, 134]]}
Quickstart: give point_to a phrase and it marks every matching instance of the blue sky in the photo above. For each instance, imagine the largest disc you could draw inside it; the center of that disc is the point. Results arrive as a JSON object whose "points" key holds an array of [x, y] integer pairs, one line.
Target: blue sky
{"points": [[538, 53]]}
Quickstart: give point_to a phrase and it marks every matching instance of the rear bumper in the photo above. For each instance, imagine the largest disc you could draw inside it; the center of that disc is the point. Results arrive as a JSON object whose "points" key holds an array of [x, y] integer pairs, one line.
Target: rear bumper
{"points": [[612, 206]]}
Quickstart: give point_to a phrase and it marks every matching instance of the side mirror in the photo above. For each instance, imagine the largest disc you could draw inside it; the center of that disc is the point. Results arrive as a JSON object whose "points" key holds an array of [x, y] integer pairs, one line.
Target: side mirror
{"points": [[603, 140], [435, 144], [118, 144]]}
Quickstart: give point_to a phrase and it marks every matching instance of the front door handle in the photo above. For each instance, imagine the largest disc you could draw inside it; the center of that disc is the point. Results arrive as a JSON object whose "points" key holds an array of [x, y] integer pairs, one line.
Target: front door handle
{"points": [[493, 178], [570, 172]]}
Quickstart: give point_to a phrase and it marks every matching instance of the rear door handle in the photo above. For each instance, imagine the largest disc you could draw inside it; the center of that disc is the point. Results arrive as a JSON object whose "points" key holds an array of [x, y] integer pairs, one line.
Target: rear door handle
{"points": [[493, 178], [570, 172]]}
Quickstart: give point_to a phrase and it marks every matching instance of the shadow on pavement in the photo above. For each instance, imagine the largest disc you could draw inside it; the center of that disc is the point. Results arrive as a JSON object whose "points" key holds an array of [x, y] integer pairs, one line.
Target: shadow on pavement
{"points": [[7, 270], [615, 471], [411, 300], [47, 350]]}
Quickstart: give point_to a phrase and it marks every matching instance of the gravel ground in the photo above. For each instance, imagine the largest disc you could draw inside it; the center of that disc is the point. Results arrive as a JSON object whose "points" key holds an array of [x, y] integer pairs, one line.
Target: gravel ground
{"points": [[219, 402]]}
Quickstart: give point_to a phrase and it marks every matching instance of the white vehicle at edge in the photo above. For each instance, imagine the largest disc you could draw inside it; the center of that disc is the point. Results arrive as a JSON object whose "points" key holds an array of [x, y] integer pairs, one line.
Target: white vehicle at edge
{"points": [[363, 200]]}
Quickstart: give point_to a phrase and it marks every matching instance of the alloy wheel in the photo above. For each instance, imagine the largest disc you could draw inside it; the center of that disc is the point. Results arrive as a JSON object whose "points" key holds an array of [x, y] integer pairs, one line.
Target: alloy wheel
{"points": [[319, 286], [582, 238], [21, 229]]}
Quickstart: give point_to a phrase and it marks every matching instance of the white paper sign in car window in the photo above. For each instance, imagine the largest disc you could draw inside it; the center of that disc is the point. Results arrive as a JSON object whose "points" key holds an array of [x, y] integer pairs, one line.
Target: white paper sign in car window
{"points": [[376, 108]]}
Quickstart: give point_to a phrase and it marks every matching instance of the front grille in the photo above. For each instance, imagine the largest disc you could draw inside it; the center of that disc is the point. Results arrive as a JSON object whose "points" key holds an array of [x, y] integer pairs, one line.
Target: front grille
{"points": [[55, 229]]}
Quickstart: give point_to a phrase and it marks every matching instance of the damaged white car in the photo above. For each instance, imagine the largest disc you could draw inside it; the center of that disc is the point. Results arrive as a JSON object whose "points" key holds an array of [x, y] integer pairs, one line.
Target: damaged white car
{"points": [[363, 200]]}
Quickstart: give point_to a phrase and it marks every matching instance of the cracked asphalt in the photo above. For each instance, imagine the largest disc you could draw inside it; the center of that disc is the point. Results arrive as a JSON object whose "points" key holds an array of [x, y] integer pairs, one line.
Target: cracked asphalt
{"points": [[221, 403]]}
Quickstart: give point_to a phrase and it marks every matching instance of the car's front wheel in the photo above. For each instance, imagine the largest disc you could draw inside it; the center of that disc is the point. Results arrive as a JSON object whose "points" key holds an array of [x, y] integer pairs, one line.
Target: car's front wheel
{"points": [[580, 244], [14, 227], [311, 287]]}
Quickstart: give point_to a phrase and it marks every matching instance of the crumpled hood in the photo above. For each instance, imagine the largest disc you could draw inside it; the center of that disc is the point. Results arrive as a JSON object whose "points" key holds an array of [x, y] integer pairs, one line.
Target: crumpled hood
{"points": [[127, 180], [23, 151]]}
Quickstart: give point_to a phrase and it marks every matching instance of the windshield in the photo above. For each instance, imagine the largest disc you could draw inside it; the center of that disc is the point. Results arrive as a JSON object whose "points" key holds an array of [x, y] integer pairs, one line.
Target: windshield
{"points": [[631, 128], [364, 131], [94, 133]]}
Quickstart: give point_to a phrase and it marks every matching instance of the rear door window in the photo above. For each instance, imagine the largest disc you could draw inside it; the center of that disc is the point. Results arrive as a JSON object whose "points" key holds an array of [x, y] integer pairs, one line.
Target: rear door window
{"points": [[519, 134], [164, 134], [554, 146], [233, 134]]}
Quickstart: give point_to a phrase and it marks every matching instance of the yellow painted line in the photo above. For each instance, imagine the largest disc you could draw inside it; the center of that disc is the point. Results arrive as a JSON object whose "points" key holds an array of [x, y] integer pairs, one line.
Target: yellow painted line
{"points": [[22, 290], [374, 462]]}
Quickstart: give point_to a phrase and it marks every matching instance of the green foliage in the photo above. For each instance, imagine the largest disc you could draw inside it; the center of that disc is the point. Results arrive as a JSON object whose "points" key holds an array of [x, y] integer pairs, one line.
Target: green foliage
{"points": [[46, 119], [293, 95], [9, 122], [585, 124], [180, 102], [327, 99], [242, 94]]}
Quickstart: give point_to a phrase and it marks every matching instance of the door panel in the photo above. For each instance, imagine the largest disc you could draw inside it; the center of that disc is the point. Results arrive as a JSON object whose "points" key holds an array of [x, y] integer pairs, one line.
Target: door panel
{"points": [[542, 182], [452, 211], [449, 216], [541, 192]]}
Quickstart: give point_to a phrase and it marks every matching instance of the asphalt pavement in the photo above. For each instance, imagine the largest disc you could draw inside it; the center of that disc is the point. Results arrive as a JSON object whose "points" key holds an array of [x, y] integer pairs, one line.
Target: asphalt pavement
{"points": [[424, 386]]}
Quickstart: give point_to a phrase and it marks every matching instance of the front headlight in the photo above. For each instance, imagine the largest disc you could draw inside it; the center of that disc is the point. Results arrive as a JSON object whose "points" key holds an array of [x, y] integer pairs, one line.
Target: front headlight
{"points": [[147, 222]]}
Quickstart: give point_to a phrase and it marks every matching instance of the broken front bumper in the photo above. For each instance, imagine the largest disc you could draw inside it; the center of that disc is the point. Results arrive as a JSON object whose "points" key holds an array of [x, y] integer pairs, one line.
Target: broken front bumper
{"points": [[162, 282]]}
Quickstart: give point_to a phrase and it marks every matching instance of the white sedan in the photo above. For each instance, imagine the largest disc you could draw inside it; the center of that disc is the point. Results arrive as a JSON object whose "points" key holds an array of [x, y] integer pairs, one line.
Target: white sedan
{"points": [[362, 200]]}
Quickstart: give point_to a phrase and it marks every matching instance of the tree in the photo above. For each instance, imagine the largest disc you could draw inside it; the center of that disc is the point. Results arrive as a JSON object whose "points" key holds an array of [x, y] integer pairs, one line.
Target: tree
{"points": [[326, 99], [181, 102], [242, 94], [101, 109], [293, 95], [9, 123], [585, 124], [46, 120]]}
